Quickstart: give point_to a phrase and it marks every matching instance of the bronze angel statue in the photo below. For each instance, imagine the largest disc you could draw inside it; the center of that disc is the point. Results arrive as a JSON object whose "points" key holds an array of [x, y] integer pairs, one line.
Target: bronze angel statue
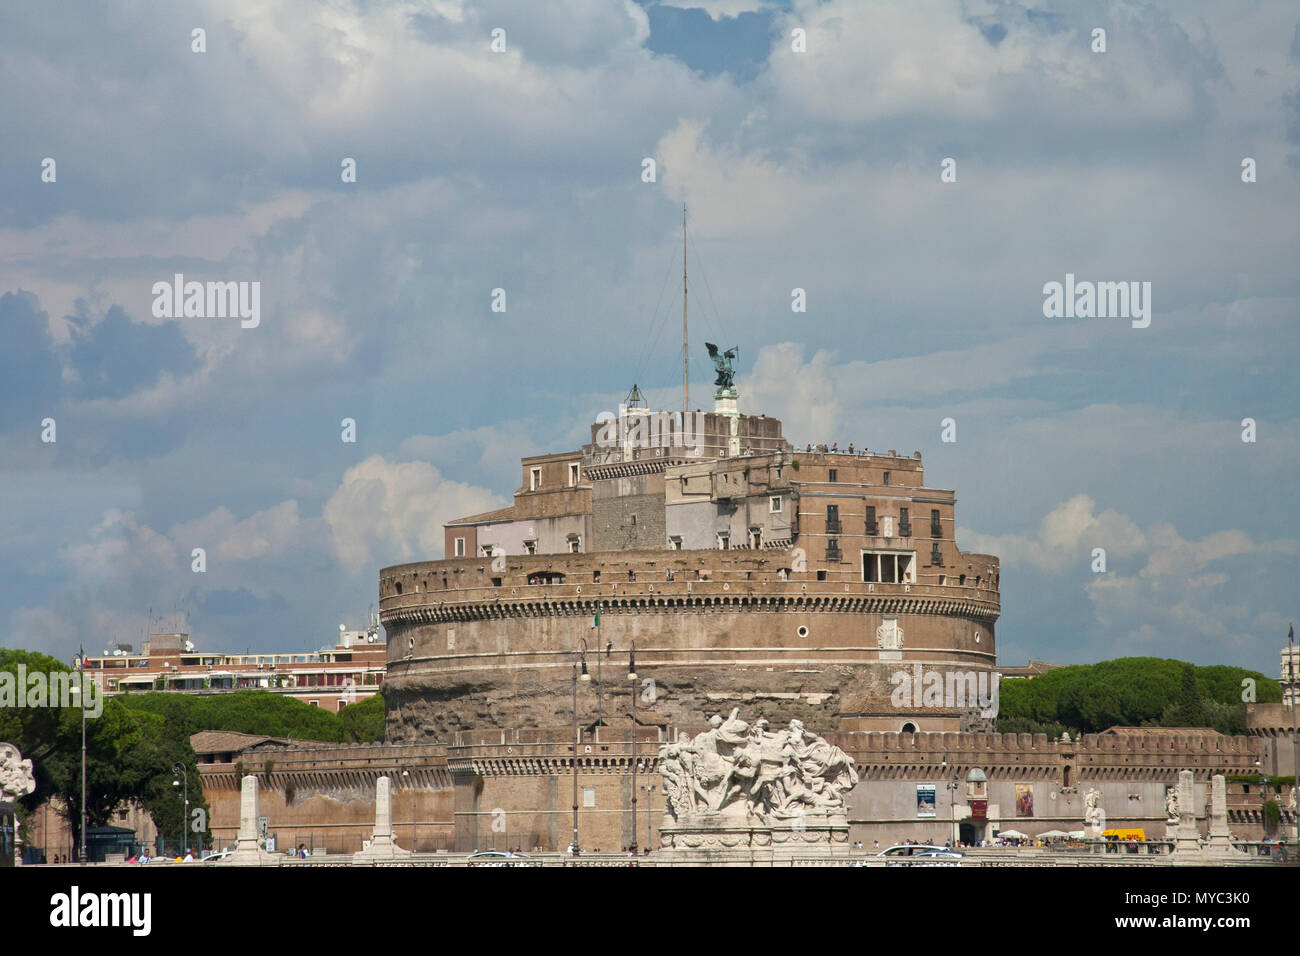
{"points": [[722, 362]]}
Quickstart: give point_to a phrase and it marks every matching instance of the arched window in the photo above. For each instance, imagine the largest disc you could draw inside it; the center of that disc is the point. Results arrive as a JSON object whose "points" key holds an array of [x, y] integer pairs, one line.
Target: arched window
{"points": [[909, 728]]}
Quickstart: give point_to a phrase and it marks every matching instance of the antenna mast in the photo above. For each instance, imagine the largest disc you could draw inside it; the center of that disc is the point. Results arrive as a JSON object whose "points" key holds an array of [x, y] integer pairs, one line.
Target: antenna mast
{"points": [[686, 353]]}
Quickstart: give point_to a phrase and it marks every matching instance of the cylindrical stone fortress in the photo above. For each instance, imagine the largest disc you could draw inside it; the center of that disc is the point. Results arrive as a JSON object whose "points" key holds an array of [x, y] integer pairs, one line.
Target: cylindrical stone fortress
{"points": [[746, 573], [471, 648]]}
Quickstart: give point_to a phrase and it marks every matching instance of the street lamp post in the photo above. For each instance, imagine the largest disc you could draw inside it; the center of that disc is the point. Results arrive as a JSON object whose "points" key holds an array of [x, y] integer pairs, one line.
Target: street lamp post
{"points": [[178, 770], [600, 684], [649, 814], [631, 676], [1295, 739], [951, 786], [585, 678], [1263, 799], [406, 774], [79, 690]]}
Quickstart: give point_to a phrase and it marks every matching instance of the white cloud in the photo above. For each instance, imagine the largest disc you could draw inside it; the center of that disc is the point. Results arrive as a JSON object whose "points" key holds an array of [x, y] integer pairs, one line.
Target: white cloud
{"points": [[119, 547], [1193, 598], [391, 512], [718, 9], [929, 60], [1066, 537], [265, 533]]}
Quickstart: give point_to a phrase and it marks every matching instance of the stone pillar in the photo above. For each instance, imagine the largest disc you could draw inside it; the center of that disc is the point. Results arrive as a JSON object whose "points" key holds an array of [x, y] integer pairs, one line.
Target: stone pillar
{"points": [[248, 851], [248, 806], [725, 404], [382, 842], [1186, 835], [383, 809], [1220, 843]]}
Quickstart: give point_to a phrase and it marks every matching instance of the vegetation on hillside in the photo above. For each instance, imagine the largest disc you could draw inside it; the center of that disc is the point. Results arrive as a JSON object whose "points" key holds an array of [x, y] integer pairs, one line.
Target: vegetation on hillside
{"points": [[1134, 692]]}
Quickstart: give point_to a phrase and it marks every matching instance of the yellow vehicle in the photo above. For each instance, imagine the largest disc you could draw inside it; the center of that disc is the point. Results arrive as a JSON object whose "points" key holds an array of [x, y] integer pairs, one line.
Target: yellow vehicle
{"points": [[1125, 835]]}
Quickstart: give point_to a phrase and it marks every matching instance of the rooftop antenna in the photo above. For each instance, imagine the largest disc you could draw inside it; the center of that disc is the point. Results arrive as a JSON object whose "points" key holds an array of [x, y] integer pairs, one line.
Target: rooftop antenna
{"points": [[686, 352]]}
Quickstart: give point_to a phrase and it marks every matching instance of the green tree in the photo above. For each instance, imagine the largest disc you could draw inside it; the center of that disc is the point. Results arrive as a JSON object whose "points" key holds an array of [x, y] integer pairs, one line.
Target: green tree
{"points": [[1272, 817], [162, 745], [363, 722], [244, 711], [1188, 712], [1131, 691]]}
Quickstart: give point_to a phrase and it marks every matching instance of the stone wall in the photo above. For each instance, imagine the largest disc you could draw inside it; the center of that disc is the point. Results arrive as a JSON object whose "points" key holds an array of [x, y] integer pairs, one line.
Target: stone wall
{"points": [[466, 653], [324, 796], [514, 787], [628, 513]]}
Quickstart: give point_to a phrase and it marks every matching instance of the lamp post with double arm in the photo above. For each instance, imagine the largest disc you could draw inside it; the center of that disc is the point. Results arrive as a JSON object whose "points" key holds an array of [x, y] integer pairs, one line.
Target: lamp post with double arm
{"points": [[79, 691], [631, 676], [179, 774], [585, 678]]}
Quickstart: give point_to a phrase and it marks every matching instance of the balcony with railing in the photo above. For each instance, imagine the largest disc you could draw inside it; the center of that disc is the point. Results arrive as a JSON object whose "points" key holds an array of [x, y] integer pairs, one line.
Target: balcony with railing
{"points": [[832, 525], [936, 529], [905, 529]]}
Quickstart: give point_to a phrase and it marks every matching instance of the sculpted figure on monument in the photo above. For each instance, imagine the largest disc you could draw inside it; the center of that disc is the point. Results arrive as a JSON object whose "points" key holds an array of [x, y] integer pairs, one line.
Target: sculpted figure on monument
{"points": [[1091, 809], [677, 783], [710, 769], [1171, 804], [829, 768], [726, 377], [765, 748], [734, 769], [16, 779]]}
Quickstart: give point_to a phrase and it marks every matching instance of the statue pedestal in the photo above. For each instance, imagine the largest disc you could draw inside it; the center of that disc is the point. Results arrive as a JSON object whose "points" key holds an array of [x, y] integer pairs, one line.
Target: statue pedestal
{"points": [[248, 847], [383, 845], [718, 839]]}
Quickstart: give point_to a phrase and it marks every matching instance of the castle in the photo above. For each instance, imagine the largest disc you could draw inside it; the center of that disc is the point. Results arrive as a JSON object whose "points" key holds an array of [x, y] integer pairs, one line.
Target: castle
{"points": [[739, 568], [673, 569]]}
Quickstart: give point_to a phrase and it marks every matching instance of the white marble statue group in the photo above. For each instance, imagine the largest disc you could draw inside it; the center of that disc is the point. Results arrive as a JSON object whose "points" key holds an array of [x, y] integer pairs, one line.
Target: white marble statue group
{"points": [[737, 769], [15, 774]]}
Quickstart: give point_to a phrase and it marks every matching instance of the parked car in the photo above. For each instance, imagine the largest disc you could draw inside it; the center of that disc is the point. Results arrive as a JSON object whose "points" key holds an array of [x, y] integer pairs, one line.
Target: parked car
{"points": [[921, 854], [914, 849]]}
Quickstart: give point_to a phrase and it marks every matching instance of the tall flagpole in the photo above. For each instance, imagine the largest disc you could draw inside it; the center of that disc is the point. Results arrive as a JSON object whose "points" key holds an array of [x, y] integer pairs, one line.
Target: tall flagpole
{"points": [[686, 352], [1295, 741]]}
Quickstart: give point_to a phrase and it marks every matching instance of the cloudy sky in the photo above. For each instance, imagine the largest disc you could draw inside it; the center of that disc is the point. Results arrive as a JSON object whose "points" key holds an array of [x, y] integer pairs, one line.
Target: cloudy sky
{"points": [[522, 170]]}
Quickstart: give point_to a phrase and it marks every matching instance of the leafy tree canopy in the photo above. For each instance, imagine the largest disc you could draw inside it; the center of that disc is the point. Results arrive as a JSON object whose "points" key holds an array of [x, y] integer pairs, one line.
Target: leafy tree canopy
{"points": [[1131, 691], [243, 711], [363, 723]]}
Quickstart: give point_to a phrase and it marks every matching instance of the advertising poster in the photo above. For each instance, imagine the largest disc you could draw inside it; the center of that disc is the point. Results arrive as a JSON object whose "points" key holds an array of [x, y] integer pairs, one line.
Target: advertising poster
{"points": [[925, 800], [1024, 799]]}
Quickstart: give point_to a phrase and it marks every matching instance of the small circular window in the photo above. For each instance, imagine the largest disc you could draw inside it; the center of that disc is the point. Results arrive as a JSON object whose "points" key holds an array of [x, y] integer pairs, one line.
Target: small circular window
{"points": [[802, 631]]}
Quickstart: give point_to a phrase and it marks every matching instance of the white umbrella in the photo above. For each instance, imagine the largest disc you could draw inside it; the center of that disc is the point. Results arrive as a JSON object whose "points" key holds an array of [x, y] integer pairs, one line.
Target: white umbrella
{"points": [[1052, 834], [1012, 835], [1078, 834]]}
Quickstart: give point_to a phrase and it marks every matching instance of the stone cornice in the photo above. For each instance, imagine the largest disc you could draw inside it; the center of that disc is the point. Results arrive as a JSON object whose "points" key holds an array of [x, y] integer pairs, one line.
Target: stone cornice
{"points": [[509, 608]]}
